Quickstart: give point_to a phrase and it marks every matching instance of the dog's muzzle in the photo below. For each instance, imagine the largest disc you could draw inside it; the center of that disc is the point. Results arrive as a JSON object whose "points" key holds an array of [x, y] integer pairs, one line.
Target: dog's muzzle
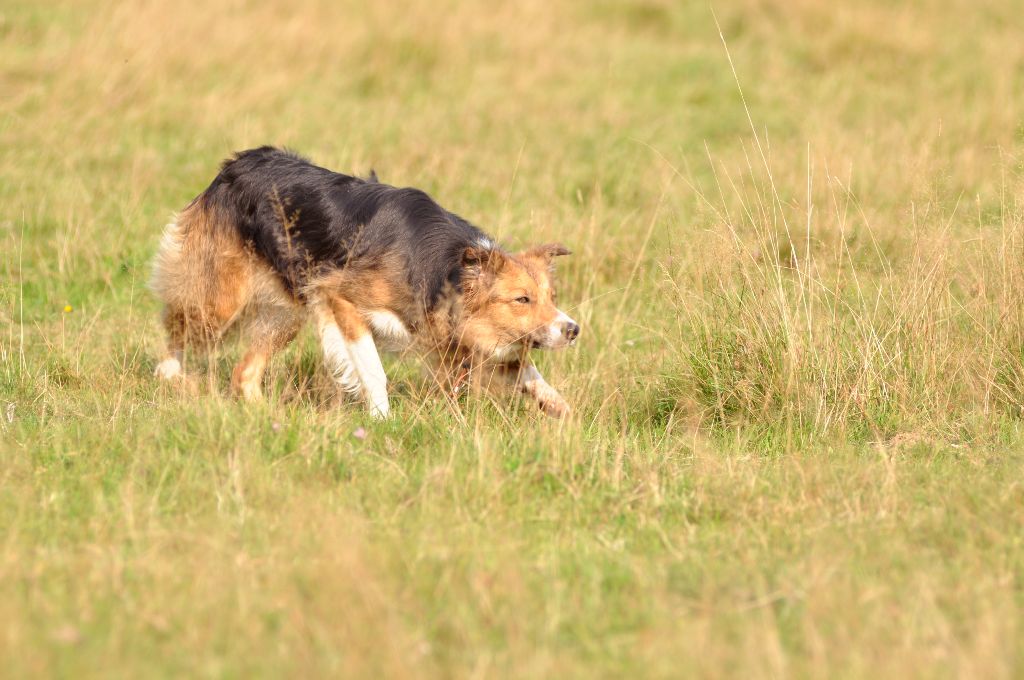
{"points": [[562, 332]]}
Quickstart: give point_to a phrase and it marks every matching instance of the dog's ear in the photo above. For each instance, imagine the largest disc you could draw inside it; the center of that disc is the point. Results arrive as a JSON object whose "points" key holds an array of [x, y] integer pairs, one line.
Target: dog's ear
{"points": [[545, 252], [477, 261]]}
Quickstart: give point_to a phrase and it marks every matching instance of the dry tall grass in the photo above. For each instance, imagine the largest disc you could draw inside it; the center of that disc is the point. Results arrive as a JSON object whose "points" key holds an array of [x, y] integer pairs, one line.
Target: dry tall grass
{"points": [[786, 327]]}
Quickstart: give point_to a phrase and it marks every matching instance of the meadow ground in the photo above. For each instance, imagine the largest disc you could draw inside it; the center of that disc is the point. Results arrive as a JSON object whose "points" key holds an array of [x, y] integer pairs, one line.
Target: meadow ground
{"points": [[798, 440]]}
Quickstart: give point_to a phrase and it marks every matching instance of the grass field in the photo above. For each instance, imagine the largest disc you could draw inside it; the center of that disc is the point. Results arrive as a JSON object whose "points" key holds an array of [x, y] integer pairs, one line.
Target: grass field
{"points": [[797, 446]]}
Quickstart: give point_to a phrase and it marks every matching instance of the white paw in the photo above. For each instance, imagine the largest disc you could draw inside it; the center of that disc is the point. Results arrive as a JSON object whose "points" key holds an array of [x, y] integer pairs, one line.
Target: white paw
{"points": [[555, 408], [379, 408], [168, 369], [251, 392]]}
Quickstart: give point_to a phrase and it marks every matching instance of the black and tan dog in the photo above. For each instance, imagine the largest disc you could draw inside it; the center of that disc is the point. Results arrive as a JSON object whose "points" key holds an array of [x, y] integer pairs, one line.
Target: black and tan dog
{"points": [[275, 238]]}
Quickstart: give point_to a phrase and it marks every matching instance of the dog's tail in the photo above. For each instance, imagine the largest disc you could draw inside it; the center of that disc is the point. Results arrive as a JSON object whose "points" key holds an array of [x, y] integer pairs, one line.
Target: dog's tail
{"points": [[202, 271]]}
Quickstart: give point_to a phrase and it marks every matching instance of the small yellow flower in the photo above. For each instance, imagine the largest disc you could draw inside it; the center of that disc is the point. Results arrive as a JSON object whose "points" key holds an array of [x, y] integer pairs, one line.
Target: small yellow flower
{"points": [[67, 309]]}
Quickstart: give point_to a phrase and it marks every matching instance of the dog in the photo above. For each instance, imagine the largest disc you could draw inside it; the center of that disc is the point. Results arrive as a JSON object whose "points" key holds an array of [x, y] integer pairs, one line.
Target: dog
{"points": [[275, 241]]}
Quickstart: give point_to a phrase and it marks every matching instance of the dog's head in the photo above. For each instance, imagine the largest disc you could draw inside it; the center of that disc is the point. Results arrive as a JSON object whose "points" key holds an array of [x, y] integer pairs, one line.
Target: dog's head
{"points": [[510, 301]]}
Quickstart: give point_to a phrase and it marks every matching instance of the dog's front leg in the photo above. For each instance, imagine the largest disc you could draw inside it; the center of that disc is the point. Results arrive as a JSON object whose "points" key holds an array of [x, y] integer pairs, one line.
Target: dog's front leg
{"points": [[532, 383], [351, 354]]}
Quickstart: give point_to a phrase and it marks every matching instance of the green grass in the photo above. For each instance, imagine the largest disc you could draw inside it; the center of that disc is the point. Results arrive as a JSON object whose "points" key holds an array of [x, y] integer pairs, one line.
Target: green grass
{"points": [[797, 443]]}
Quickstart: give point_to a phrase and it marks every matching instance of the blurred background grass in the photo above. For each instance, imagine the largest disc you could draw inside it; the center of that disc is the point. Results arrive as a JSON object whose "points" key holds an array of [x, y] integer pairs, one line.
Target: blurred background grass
{"points": [[797, 444]]}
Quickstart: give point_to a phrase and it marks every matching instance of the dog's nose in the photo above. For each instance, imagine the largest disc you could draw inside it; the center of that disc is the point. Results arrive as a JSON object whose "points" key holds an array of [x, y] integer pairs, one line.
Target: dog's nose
{"points": [[571, 330]]}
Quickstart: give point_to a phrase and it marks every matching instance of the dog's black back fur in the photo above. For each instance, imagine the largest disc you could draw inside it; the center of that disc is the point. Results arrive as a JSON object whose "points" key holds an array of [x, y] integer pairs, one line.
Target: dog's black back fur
{"points": [[306, 220]]}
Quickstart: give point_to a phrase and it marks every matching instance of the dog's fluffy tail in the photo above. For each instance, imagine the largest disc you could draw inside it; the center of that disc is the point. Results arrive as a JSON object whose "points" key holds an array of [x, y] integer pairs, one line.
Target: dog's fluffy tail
{"points": [[202, 272]]}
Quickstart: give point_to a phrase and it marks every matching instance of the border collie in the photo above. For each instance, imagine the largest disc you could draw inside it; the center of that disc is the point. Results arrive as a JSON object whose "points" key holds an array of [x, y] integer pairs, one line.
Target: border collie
{"points": [[275, 240]]}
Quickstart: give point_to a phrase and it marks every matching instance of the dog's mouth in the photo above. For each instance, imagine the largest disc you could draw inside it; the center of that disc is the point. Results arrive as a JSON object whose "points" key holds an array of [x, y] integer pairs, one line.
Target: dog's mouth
{"points": [[537, 344], [505, 351]]}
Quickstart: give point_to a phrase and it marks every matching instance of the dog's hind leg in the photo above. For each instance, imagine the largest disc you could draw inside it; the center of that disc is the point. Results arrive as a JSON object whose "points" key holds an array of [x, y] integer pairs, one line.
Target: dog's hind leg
{"points": [[165, 282], [350, 352], [268, 328], [170, 367], [194, 327], [204, 276]]}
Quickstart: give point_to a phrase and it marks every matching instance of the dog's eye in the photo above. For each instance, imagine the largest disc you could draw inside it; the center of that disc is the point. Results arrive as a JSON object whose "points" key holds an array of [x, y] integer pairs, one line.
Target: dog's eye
{"points": [[523, 300]]}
